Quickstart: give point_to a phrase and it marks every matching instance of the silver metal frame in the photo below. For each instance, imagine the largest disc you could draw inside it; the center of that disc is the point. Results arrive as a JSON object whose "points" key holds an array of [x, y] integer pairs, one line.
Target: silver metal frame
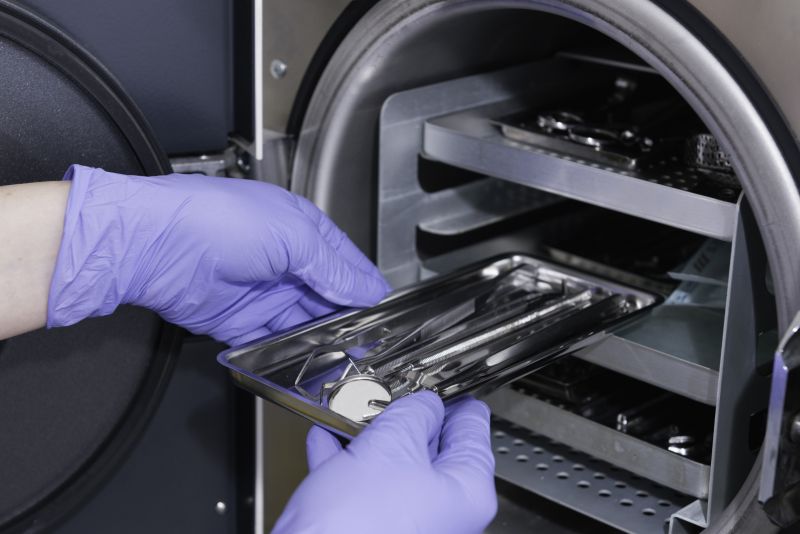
{"points": [[742, 390]]}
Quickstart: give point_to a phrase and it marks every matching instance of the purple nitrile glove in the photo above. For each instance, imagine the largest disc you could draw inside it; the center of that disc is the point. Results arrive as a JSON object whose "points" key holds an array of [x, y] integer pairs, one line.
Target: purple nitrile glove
{"points": [[388, 480], [236, 259]]}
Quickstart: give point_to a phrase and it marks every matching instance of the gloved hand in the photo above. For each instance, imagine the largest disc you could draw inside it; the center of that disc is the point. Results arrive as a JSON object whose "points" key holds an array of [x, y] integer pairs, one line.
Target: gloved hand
{"points": [[390, 480], [235, 259]]}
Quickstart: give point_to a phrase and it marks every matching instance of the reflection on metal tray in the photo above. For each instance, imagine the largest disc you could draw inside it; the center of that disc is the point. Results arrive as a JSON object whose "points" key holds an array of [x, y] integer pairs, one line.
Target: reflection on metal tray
{"points": [[466, 332]]}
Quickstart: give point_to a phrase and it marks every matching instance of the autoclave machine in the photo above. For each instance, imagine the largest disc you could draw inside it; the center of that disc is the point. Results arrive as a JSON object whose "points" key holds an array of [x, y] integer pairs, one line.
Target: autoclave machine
{"points": [[648, 145]]}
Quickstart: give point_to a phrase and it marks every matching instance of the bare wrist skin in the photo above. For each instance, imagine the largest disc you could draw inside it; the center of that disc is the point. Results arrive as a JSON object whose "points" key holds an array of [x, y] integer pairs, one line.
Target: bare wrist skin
{"points": [[31, 225]]}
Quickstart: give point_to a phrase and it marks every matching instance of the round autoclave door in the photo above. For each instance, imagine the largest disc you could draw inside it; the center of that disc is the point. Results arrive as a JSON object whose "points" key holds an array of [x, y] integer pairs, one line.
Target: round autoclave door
{"points": [[400, 46], [72, 400]]}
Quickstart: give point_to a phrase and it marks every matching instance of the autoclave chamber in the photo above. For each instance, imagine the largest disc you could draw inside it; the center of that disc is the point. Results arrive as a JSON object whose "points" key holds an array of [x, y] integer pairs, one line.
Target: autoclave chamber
{"points": [[623, 139]]}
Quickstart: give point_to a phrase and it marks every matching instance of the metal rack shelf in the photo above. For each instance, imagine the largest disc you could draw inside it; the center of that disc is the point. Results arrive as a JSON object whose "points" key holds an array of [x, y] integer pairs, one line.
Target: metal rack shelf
{"points": [[468, 207], [468, 140], [582, 482], [404, 206], [643, 459], [451, 122], [676, 348]]}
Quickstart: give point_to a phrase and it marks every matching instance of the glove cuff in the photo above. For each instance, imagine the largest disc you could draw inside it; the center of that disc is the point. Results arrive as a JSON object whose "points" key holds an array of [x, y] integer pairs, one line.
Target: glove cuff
{"points": [[90, 278]]}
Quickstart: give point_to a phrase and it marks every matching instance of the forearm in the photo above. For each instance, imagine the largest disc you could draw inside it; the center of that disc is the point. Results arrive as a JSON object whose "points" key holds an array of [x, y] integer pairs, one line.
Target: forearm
{"points": [[31, 224], [235, 259]]}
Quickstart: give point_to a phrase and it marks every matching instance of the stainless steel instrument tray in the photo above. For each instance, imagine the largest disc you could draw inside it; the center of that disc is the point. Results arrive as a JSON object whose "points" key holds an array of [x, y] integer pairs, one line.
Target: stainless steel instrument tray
{"points": [[467, 332]]}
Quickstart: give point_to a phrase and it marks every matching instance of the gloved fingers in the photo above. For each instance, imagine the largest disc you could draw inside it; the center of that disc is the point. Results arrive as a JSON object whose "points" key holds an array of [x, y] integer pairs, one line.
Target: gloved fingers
{"points": [[465, 458], [254, 334], [403, 431], [288, 318], [336, 269], [455, 405], [320, 446], [337, 238], [315, 305], [344, 246], [465, 446], [433, 445], [248, 316], [337, 280]]}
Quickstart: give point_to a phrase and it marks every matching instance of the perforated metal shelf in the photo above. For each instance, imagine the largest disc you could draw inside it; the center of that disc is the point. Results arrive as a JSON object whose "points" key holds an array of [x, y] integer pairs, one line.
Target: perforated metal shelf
{"points": [[580, 482], [647, 460]]}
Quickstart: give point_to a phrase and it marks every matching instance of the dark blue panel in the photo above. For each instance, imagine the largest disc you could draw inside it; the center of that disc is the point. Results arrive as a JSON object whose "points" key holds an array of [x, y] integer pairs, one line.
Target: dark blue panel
{"points": [[173, 58], [186, 461]]}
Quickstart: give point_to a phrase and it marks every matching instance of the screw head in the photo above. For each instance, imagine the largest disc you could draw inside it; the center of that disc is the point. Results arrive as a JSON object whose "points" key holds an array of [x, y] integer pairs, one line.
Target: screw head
{"points": [[278, 69], [243, 162], [221, 507], [794, 429]]}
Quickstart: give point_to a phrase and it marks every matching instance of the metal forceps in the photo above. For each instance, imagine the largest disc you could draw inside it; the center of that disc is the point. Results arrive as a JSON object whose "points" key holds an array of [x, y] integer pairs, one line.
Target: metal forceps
{"points": [[573, 127], [360, 393], [381, 339], [461, 354]]}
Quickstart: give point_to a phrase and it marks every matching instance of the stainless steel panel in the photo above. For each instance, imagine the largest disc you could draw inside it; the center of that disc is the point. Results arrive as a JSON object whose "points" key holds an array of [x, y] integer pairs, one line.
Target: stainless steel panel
{"points": [[743, 390], [293, 30], [767, 34]]}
